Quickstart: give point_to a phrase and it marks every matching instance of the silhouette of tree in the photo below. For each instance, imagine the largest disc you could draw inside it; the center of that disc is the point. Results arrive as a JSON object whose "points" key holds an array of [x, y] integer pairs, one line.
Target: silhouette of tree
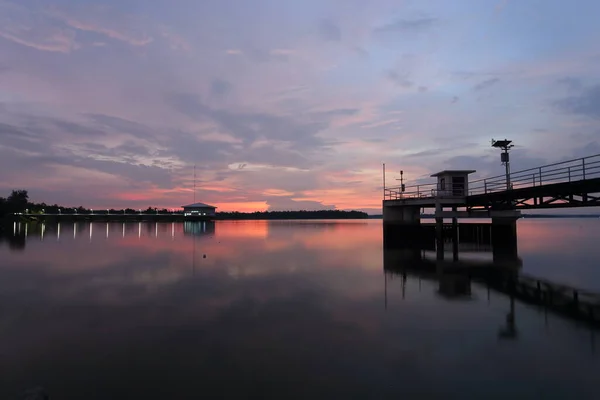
{"points": [[18, 201]]}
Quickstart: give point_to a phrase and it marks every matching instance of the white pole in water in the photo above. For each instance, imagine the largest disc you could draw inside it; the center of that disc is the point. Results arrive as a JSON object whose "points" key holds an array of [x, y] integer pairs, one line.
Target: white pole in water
{"points": [[384, 181]]}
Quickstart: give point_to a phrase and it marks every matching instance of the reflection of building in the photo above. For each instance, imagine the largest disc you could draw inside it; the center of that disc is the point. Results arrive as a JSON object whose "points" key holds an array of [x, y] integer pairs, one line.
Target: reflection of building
{"points": [[198, 228], [199, 209]]}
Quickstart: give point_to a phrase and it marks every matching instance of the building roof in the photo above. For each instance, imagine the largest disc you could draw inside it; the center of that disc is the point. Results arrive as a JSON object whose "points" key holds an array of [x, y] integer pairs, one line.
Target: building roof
{"points": [[198, 205], [454, 172]]}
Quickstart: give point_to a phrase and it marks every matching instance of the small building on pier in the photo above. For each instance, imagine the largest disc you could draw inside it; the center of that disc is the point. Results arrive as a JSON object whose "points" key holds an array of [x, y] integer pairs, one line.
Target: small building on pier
{"points": [[199, 209], [452, 183]]}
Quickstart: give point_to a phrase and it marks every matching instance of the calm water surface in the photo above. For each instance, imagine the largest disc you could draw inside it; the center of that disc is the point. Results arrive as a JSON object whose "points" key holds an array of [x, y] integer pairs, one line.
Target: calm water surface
{"points": [[259, 309]]}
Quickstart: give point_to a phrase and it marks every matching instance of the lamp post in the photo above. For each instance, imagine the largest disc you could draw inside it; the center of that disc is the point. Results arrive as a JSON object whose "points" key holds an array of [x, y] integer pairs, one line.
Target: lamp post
{"points": [[504, 145]]}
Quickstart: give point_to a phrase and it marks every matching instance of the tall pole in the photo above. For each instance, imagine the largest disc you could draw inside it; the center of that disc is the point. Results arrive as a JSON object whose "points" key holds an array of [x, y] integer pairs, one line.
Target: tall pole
{"points": [[384, 181], [507, 166], [194, 183]]}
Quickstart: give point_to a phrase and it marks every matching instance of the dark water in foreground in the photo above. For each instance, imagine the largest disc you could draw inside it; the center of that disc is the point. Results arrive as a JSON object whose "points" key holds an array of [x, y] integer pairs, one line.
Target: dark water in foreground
{"points": [[279, 310]]}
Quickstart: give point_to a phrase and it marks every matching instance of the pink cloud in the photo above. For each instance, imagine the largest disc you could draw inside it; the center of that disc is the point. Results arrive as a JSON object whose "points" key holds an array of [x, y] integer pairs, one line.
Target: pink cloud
{"points": [[114, 29], [59, 40]]}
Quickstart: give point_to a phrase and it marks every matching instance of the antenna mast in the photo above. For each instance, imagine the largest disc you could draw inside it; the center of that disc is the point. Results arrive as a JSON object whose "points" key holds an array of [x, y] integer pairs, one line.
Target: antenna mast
{"points": [[194, 183]]}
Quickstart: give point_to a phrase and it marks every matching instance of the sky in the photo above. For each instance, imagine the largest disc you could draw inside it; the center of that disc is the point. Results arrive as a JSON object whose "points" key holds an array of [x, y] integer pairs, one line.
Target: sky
{"points": [[285, 105]]}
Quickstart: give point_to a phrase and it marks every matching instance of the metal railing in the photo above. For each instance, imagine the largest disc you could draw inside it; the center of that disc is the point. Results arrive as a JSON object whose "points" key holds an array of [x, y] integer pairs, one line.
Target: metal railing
{"points": [[427, 190], [566, 171]]}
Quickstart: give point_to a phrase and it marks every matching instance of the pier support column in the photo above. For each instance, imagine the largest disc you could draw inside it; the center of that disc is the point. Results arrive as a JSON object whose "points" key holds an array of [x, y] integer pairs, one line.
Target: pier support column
{"points": [[402, 230], [504, 239], [454, 236], [439, 231]]}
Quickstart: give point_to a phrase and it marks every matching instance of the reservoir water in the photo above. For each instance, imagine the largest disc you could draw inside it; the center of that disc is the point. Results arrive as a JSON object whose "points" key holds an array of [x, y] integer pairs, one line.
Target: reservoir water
{"points": [[279, 309]]}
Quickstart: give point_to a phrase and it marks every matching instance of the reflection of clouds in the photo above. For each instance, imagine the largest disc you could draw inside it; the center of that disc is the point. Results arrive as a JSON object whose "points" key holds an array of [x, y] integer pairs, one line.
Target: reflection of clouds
{"points": [[114, 268], [537, 235], [142, 316]]}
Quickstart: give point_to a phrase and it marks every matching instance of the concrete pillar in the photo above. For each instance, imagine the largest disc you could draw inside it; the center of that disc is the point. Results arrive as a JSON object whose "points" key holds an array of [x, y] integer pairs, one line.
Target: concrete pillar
{"points": [[398, 214], [454, 237], [504, 239], [439, 231], [392, 214], [402, 228]]}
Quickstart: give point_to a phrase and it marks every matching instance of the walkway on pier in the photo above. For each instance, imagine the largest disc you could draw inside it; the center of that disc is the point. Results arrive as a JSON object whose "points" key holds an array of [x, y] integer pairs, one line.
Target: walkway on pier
{"points": [[573, 183]]}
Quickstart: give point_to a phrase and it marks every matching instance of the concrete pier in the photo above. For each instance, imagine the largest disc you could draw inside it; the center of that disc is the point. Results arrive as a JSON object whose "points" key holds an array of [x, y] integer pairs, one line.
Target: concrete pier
{"points": [[401, 214], [504, 236]]}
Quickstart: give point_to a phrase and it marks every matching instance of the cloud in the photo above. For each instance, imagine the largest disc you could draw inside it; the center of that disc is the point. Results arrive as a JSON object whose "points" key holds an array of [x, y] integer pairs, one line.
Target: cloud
{"points": [[102, 21], [500, 6], [220, 87], [407, 25], [329, 31], [61, 41], [587, 103], [570, 83], [489, 165], [400, 79], [361, 52], [20, 25], [485, 84], [260, 55], [280, 203], [175, 41], [250, 127], [116, 124], [589, 149]]}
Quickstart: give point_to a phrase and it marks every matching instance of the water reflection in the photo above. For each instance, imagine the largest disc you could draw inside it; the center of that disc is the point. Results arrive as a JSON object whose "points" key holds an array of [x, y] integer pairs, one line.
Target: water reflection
{"points": [[296, 309], [22, 232], [412, 251]]}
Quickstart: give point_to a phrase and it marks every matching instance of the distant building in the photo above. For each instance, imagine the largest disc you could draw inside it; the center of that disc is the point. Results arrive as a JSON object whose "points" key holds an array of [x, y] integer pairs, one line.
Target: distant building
{"points": [[199, 209]]}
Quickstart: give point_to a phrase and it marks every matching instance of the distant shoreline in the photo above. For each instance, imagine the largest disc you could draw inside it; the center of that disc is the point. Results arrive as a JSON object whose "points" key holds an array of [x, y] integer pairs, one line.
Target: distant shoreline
{"points": [[180, 217], [525, 216]]}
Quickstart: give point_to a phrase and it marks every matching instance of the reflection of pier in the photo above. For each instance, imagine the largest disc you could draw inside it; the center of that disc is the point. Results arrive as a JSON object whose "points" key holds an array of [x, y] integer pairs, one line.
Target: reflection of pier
{"points": [[494, 264]]}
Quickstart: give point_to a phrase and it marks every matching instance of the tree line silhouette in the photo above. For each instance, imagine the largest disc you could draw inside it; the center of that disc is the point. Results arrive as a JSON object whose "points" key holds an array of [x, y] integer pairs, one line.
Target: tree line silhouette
{"points": [[303, 214]]}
